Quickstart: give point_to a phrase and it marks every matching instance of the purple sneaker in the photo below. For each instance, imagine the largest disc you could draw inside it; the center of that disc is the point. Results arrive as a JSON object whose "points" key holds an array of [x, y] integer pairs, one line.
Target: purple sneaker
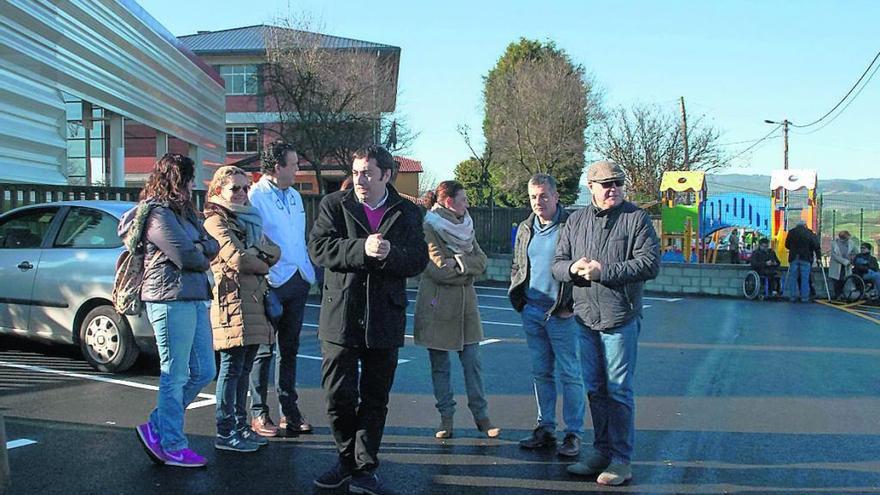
{"points": [[150, 441], [184, 458]]}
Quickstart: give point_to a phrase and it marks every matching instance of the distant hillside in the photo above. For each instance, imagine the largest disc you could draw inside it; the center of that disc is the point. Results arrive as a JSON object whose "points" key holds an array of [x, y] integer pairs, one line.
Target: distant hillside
{"points": [[761, 184], [861, 190]]}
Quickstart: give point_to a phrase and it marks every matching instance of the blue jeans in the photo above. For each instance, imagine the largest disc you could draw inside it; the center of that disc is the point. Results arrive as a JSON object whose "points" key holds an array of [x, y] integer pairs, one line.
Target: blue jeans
{"points": [[282, 370], [609, 362], [186, 363], [553, 344], [798, 269], [873, 277], [473, 381], [232, 387]]}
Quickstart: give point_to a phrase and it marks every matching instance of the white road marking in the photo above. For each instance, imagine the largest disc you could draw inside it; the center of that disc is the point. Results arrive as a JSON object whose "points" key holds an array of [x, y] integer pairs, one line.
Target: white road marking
{"points": [[202, 403], [484, 342], [104, 379], [318, 358], [21, 442]]}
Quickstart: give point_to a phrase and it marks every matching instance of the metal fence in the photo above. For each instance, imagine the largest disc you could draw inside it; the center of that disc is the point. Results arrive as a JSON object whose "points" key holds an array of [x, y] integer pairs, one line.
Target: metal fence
{"points": [[15, 195], [858, 214], [494, 226]]}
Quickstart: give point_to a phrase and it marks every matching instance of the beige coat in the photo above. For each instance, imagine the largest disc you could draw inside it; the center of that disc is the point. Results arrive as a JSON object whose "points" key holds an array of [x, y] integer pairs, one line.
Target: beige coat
{"points": [[841, 256], [447, 317], [237, 314]]}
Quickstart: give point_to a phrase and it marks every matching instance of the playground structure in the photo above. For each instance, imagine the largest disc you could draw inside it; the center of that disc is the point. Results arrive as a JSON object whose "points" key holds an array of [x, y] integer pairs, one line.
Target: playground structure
{"points": [[689, 214], [681, 212], [782, 183]]}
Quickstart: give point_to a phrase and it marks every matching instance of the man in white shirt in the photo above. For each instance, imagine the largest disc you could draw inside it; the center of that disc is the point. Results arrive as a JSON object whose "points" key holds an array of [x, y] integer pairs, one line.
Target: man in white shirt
{"points": [[284, 222]]}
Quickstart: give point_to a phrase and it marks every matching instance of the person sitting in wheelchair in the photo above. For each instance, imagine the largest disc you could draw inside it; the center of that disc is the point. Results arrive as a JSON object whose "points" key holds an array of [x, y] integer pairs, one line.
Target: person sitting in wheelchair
{"points": [[865, 266], [766, 263]]}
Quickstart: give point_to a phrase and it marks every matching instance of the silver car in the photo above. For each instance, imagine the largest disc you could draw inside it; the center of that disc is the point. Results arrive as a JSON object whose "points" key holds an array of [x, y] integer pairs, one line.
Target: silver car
{"points": [[57, 265]]}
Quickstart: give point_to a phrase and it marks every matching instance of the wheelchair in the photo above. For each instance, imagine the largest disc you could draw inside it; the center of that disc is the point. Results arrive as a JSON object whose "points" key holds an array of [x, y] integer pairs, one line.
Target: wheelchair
{"points": [[855, 288], [755, 286]]}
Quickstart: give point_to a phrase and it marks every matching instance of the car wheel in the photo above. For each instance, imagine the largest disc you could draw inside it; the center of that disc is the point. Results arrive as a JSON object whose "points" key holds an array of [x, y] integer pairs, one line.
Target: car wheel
{"points": [[106, 340]]}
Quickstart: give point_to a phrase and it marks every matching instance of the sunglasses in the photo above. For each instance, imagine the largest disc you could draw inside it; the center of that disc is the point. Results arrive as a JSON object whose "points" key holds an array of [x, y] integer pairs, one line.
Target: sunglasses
{"points": [[235, 189], [615, 183]]}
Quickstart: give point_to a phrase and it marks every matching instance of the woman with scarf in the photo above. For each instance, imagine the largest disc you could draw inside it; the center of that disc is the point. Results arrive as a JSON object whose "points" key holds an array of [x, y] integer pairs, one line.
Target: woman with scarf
{"points": [[447, 317], [238, 315]]}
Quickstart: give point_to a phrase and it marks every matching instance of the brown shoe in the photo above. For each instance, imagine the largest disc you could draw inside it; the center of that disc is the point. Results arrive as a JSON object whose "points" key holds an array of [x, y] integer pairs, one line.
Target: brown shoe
{"points": [[294, 428], [264, 426]]}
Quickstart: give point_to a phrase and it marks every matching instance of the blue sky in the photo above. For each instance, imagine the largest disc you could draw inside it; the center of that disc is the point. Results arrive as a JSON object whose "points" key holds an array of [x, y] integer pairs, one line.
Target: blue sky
{"points": [[735, 62]]}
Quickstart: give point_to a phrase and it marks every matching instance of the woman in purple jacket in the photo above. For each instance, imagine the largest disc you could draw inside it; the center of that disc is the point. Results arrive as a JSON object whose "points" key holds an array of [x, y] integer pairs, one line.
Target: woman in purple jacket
{"points": [[176, 294]]}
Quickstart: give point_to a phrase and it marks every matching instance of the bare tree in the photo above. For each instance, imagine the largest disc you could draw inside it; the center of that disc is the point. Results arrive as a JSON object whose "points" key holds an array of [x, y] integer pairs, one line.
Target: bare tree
{"points": [[647, 141], [331, 100], [482, 194], [537, 112]]}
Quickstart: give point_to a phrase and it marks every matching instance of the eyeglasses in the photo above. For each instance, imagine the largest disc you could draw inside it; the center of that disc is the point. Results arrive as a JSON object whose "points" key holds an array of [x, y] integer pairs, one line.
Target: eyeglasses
{"points": [[608, 184], [235, 189]]}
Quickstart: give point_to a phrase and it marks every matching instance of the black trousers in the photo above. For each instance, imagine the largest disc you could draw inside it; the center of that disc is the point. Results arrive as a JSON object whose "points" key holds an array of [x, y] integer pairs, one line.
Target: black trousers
{"points": [[357, 401]]}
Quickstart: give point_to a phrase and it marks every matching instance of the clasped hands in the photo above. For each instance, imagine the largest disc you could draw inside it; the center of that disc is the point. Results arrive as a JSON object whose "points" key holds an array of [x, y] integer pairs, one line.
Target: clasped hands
{"points": [[588, 269], [377, 247]]}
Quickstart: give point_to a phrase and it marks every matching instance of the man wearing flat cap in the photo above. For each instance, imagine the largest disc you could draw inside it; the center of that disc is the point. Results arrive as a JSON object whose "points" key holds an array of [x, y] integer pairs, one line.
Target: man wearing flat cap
{"points": [[607, 251]]}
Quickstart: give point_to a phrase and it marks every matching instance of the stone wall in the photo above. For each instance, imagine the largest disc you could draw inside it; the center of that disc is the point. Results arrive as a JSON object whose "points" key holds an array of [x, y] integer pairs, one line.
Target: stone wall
{"points": [[674, 278]]}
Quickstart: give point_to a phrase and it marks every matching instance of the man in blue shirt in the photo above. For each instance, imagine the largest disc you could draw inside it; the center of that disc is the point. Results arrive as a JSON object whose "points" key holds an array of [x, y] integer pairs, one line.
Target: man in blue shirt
{"points": [[548, 321]]}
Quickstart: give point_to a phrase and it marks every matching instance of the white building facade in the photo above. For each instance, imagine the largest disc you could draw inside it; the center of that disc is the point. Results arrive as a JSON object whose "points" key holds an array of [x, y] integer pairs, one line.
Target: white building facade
{"points": [[73, 72]]}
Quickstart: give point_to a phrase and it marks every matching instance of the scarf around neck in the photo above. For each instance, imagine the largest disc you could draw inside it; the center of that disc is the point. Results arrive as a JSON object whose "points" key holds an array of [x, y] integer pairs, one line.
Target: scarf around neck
{"points": [[246, 217], [458, 235]]}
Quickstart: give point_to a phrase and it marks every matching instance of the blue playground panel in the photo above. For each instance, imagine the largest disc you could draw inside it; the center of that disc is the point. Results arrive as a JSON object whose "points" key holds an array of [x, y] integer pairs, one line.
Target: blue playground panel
{"points": [[742, 210]]}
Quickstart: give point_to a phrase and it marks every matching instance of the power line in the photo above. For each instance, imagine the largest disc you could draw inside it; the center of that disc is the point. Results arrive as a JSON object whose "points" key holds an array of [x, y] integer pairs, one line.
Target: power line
{"points": [[845, 106], [756, 143], [820, 119]]}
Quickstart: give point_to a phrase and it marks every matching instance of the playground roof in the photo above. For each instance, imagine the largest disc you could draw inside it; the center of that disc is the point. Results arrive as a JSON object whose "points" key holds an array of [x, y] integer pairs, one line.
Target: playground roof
{"points": [[680, 181], [792, 180]]}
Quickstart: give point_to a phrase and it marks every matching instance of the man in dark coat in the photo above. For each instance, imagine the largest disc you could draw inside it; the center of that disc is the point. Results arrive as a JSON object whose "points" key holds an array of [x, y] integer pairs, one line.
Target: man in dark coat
{"points": [[608, 251], [801, 243], [369, 240], [766, 263]]}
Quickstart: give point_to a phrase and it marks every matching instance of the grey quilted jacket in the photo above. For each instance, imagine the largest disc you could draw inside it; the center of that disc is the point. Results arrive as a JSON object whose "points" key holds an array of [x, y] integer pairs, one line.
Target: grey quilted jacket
{"points": [[623, 240], [176, 270]]}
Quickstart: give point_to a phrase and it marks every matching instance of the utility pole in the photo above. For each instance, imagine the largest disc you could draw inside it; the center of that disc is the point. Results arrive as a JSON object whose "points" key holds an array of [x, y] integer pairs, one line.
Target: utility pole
{"points": [[684, 133], [785, 142]]}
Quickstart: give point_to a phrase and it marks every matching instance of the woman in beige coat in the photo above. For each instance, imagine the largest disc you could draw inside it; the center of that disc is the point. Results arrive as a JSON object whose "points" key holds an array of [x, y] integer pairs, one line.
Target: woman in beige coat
{"points": [[447, 317], [238, 315], [843, 250]]}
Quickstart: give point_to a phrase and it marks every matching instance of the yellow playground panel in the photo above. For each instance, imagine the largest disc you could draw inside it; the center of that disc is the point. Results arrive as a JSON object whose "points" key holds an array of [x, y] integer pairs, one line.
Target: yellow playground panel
{"points": [[681, 223], [781, 183]]}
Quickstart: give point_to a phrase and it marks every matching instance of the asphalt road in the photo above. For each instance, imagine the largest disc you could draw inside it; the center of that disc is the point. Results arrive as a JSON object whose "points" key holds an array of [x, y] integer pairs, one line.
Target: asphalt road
{"points": [[732, 397]]}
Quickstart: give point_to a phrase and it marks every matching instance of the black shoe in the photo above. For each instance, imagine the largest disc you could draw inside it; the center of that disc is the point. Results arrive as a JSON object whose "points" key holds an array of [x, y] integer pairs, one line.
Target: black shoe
{"points": [[540, 438], [369, 484], [571, 446], [334, 478]]}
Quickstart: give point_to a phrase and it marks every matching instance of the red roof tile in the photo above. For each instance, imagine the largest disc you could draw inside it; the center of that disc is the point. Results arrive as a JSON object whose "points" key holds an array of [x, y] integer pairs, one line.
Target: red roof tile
{"points": [[408, 164]]}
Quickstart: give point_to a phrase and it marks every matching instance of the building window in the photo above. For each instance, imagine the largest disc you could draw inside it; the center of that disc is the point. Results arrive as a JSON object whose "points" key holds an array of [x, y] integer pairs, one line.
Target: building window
{"points": [[242, 139], [239, 79], [302, 186], [87, 161]]}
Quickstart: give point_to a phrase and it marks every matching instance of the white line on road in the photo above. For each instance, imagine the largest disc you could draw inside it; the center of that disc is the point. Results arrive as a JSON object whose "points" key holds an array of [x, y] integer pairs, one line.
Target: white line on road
{"points": [[103, 379], [21, 442], [318, 358], [482, 342]]}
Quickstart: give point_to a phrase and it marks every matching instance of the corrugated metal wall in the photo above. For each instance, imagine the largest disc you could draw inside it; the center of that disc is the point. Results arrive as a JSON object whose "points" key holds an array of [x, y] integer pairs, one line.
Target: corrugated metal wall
{"points": [[105, 53]]}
